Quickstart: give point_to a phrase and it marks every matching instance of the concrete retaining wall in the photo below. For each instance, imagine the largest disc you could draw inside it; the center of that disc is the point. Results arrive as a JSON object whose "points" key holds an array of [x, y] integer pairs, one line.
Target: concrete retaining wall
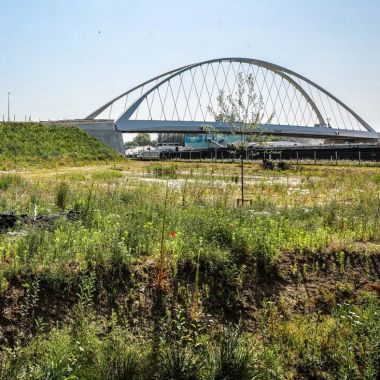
{"points": [[106, 133]]}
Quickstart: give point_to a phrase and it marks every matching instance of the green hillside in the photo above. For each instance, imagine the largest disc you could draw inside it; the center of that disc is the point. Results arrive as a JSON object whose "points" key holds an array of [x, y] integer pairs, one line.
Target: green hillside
{"points": [[26, 145]]}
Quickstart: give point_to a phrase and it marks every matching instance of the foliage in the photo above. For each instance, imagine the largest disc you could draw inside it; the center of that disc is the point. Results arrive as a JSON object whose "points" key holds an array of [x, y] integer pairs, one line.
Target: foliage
{"points": [[268, 291], [8, 180], [62, 196], [343, 345], [142, 139]]}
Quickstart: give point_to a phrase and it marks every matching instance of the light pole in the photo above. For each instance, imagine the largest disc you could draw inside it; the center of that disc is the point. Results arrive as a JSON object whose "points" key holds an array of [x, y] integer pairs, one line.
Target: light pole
{"points": [[8, 107]]}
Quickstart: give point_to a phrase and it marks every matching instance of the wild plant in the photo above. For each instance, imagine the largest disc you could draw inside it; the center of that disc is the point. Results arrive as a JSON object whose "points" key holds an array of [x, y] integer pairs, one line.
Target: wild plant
{"points": [[30, 302], [232, 358], [160, 280], [196, 295], [179, 351], [123, 356], [87, 290], [8, 180], [62, 196]]}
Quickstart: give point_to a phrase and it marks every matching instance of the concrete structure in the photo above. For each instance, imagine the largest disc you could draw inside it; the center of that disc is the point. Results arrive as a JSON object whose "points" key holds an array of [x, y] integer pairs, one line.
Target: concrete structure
{"points": [[106, 132]]}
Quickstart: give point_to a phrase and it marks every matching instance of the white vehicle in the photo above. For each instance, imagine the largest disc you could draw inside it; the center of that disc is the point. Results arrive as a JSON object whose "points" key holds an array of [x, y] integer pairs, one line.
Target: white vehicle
{"points": [[174, 147]]}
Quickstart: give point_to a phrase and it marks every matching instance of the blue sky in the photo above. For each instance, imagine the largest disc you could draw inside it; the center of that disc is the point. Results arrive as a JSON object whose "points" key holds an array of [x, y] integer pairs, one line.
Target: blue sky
{"points": [[56, 64]]}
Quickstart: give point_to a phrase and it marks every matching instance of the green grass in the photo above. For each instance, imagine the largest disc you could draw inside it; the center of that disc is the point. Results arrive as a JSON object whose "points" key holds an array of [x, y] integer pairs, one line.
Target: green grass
{"points": [[7, 180], [162, 170], [37, 145], [106, 175], [278, 290], [341, 346]]}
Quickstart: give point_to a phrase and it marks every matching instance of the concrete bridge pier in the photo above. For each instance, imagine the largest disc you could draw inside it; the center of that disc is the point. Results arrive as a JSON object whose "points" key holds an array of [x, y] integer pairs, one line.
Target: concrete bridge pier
{"points": [[105, 132]]}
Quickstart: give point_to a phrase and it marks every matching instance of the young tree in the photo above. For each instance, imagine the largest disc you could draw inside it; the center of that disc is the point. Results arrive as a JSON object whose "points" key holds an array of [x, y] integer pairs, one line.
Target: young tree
{"points": [[243, 112]]}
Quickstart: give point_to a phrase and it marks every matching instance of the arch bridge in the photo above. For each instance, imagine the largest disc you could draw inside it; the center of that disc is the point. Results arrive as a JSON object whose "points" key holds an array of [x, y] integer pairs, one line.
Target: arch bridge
{"points": [[184, 100]]}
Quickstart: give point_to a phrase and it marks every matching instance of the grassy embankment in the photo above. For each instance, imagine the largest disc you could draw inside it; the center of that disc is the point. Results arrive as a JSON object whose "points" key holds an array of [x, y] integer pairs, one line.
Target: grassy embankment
{"points": [[36, 145]]}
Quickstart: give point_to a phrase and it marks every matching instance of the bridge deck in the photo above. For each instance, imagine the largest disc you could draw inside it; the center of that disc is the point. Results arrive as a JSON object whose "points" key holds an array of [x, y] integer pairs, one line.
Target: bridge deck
{"points": [[170, 126]]}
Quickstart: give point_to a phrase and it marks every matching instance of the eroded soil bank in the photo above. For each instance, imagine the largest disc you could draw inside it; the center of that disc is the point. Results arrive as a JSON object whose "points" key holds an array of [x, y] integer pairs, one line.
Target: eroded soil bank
{"points": [[296, 283]]}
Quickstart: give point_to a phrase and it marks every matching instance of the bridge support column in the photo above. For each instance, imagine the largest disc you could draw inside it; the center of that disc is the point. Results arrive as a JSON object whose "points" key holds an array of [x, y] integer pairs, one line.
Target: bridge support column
{"points": [[105, 132]]}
